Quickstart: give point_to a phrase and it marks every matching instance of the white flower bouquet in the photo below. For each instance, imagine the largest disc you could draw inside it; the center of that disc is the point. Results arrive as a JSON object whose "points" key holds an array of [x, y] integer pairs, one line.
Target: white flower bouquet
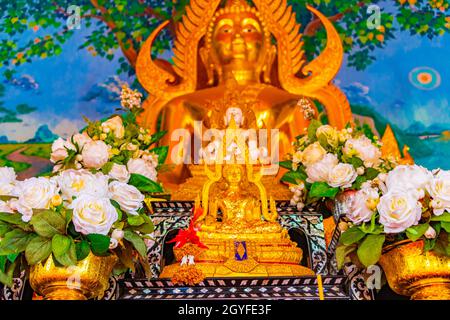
{"points": [[69, 216], [117, 147], [327, 161], [409, 202]]}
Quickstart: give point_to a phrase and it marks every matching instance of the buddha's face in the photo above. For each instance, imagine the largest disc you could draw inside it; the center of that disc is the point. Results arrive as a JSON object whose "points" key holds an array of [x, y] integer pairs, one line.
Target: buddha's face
{"points": [[237, 40], [233, 174]]}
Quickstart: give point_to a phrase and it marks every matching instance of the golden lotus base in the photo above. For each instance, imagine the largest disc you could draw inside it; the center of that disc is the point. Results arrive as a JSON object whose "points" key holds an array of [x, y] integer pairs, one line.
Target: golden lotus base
{"points": [[211, 270], [412, 272]]}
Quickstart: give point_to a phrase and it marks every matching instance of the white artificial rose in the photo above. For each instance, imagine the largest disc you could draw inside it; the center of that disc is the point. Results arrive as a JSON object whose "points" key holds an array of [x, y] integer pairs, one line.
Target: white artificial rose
{"points": [[74, 183], [7, 175], [127, 196], [5, 207], [319, 171], [329, 134], [430, 233], [93, 215], [95, 154], [313, 153], [363, 205], [439, 190], [35, 193], [142, 167], [117, 234], [409, 177], [115, 125], [364, 149], [7, 181], [81, 139], [59, 150], [399, 210], [119, 172], [342, 175]]}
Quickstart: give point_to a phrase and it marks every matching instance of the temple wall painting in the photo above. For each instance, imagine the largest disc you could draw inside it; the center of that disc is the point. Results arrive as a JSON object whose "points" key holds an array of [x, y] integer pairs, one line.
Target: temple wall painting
{"points": [[54, 73]]}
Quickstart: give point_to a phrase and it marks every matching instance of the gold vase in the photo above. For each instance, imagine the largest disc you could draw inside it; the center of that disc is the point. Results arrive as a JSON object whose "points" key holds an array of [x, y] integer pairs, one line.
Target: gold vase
{"points": [[411, 271], [85, 280]]}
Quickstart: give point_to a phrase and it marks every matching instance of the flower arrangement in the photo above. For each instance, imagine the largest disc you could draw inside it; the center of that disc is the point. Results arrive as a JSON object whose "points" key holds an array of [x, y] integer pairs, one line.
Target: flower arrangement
{"points": [[327, 161], [68, 216], [409, 202], [117, 146]]}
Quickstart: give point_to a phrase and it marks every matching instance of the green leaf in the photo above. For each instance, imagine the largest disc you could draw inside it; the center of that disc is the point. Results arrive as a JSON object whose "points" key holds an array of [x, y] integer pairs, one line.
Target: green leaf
{"points": [[358, 182], [82, 249], [38, 249], [137, 242], [99, 243], [371, 173], [7, 278], [14, 219], [60, 244], [162, 153], [15, 242], [294, 177], [312, 128], [135, 220], [157, 136], [144, 184], [322, 189], [68, 257], [286, 164], [443, 217], [369, 251], [47, 223], [2, 263], [147, 227], [351, 236], [4, 228], [415, 232], [68, 218], [342, 252], [356, 162], [107, 167], [446, 226]]}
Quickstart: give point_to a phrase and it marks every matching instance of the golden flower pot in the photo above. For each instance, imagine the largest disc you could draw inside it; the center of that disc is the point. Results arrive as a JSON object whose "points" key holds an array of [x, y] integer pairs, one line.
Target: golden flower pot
{"points": [[412, 272], [85, 280]]}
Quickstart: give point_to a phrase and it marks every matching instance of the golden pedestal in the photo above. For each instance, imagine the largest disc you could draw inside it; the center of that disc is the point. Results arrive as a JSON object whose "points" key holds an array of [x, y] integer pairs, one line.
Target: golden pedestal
{"points": [[267, 255]]}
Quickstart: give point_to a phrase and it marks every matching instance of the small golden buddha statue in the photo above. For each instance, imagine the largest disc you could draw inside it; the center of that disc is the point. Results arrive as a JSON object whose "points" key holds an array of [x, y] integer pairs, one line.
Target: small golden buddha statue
{"points": [[240, 207], [246, 239], [235, 43]]}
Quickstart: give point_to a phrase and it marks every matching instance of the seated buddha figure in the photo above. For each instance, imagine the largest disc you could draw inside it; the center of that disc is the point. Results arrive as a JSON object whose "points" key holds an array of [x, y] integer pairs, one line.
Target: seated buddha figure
{"points": [[259, 49], [239, 205]]}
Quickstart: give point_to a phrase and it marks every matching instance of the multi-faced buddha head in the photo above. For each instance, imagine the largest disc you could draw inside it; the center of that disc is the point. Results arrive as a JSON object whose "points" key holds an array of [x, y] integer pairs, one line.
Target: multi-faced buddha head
{"points": [[237, 41]]}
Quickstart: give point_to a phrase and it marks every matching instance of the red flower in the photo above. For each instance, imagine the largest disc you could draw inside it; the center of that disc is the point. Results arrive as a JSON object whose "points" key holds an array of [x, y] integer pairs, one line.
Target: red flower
{"points": [[189, 235]]}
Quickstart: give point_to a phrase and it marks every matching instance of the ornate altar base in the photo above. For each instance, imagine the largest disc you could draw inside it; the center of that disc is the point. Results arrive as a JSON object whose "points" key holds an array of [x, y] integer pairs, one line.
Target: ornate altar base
{"points": [[279, 288], [260, 270]]}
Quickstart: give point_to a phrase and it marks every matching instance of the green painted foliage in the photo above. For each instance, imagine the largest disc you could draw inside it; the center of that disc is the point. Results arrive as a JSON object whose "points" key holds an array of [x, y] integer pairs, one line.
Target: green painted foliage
{"points": [[119, 27]]}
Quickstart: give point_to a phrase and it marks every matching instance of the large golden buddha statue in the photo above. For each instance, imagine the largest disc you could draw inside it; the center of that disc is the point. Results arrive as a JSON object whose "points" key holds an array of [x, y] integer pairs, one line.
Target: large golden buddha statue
{"points": [[257, 47]]}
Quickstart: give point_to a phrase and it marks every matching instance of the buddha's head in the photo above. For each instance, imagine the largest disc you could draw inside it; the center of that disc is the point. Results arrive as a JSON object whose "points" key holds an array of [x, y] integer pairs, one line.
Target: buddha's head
{"points": [[237, 44], [233, 174]]}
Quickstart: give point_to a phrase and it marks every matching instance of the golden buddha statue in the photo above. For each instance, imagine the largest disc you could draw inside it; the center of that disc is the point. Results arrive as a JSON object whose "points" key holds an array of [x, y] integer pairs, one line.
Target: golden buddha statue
{"points": [[235, 43], [245, 239]]}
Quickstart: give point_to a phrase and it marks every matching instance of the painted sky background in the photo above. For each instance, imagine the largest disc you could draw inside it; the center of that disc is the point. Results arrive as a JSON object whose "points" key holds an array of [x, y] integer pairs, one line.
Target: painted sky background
{"points": [[65, 88]]}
